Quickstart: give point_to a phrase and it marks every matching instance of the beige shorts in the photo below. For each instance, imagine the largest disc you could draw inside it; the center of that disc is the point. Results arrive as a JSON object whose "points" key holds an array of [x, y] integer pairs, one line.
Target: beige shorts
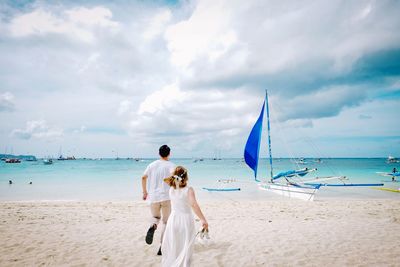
{"points": [[160, 210]]}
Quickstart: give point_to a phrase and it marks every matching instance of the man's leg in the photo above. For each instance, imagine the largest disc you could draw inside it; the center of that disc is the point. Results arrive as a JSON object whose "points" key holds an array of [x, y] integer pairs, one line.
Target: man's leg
{"points": [[166, 211], [155, 209]]}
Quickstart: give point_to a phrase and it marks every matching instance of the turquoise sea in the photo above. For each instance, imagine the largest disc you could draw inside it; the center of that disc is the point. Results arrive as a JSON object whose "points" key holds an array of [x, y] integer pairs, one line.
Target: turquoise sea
{"points": [[120, 180]]}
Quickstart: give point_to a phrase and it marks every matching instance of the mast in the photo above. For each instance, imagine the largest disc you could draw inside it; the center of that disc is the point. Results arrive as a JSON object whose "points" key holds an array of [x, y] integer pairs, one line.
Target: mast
{"points": [[269, 136]]}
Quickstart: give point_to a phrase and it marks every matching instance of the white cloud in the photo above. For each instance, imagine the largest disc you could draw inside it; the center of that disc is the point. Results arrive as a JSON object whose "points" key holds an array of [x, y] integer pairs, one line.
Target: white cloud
{"points": [[78, 23], [157, 24], [298, 123], [206, 34], [163, 99], [326, 102], [364, 12], [195, 119], [91, 61], [7, 102], [55, 48], [38, 129], [97, 16], [235, 42], [124, 107]]}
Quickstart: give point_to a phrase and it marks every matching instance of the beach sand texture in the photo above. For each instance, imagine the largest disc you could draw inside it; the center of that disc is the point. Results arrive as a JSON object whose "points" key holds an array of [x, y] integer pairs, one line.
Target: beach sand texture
{"points": [[245, 233]]}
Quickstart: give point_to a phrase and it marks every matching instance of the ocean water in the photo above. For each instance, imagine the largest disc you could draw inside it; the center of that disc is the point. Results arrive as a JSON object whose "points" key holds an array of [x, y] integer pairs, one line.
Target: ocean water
{"points": [[120, 180]]}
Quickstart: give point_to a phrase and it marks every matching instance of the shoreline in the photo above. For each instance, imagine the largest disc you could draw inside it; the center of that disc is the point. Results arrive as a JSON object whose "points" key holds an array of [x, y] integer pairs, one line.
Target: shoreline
{"points": [[248, 193], [207, 200], [243, 233]]}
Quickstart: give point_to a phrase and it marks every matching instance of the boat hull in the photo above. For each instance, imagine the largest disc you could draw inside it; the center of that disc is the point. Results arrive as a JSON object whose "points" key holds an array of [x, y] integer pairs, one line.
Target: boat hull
{"points": [[47, 162], [303, 193]]}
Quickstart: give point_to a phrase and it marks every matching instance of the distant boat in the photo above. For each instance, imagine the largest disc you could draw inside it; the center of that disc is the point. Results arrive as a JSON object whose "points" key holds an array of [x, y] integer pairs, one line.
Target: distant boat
{"points": [[61, 157], [217, 155], [13, 161], [67, 158], [47, 161], [301, 161], [392, 159], [4, 157]]}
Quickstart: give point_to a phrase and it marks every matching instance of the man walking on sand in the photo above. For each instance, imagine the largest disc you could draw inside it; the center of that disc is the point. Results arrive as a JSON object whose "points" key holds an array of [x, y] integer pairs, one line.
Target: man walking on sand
{"points": [[156, 191]]}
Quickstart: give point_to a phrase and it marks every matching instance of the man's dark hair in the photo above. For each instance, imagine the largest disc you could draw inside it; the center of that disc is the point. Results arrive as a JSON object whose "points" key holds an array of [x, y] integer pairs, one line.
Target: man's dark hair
{"points": [[164, 151]]}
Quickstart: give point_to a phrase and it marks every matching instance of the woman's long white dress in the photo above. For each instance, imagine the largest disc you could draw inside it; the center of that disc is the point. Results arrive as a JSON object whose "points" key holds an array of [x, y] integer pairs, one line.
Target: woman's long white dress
{"points": [[178, 241]]}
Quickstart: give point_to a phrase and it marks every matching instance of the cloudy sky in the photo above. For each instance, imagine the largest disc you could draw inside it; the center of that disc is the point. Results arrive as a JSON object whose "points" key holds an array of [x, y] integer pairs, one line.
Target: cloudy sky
{"points": [[97, 78]]}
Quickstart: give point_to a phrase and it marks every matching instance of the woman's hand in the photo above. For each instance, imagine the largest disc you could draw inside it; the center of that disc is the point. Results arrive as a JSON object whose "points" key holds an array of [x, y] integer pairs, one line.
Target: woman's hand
{"points": [[204, 223], [145, 195]]}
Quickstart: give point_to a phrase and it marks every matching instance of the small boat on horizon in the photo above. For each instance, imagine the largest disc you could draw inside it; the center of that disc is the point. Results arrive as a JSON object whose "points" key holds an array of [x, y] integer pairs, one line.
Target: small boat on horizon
{"points": [[61, 157], [67, 158], [13, 160], [301, 161], [392, 159], [47, 161]]}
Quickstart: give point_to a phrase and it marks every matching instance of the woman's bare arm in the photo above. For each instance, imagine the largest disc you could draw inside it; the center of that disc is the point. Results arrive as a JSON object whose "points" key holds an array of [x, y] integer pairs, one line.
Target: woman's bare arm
{"points": [[196, 208]]}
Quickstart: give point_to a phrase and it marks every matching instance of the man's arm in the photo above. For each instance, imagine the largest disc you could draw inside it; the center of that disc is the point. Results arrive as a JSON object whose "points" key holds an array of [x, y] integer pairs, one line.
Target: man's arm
{"points": [[144, 189]]}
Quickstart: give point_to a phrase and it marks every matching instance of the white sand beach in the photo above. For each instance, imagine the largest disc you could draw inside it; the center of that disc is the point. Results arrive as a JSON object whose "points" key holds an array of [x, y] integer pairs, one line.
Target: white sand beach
{"points": [[245, 233]]}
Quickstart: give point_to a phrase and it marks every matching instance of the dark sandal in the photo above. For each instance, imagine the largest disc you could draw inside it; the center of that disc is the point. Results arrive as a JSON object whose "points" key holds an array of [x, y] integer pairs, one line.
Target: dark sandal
{"points": [[150, 234]]}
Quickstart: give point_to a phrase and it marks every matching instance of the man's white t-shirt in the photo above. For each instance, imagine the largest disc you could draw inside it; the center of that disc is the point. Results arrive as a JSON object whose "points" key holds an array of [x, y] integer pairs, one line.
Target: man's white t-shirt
{"points": [[157, 189]]}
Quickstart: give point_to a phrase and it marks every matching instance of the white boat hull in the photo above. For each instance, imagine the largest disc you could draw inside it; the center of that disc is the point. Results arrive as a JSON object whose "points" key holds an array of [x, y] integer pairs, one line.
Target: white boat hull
{"points": [[290, 191]]}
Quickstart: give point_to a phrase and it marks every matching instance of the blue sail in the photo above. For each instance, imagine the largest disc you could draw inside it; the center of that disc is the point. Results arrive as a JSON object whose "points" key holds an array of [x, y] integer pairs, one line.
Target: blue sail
{"points": [[252, 149]]}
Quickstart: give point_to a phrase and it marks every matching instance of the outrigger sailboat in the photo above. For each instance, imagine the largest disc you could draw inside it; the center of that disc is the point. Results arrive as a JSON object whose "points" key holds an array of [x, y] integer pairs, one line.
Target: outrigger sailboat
{"points": [[394, 175], [300, 189]]}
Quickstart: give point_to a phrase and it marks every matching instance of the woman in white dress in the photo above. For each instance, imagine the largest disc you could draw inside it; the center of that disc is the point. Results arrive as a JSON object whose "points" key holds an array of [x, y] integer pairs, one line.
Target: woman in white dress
{"points": [[180, 233]]}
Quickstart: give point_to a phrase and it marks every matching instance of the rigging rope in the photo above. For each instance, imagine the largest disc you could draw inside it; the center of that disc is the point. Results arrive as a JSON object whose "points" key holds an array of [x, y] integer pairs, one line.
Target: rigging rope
{"points": [[277, 126]]}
